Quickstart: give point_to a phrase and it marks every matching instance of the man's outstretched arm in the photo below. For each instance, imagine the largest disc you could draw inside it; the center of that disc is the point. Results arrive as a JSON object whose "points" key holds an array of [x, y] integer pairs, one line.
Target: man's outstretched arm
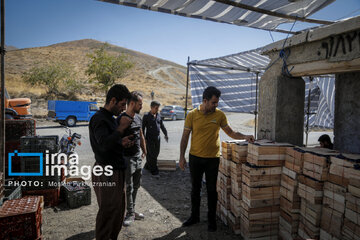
{"points": [[238, 135]]}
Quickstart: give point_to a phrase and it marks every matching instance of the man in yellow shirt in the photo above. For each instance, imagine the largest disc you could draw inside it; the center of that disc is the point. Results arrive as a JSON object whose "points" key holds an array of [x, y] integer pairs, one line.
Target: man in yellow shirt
{"points": [[205, 122]]}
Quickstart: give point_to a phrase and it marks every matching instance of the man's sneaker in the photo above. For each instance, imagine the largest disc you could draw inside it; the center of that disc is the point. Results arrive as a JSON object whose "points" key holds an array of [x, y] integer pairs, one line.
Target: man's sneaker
{"points": [[129, 219], [139, 216]]}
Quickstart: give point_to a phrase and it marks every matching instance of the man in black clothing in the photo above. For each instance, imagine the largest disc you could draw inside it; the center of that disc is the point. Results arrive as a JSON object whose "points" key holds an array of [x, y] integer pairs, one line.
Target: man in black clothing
{"points": [[152, 123], [133, 156], [108, 143]]}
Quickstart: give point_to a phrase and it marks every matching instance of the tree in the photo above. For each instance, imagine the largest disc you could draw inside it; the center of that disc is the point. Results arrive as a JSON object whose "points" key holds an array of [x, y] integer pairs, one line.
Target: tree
{"points": [[56, 77], [105, 68]]}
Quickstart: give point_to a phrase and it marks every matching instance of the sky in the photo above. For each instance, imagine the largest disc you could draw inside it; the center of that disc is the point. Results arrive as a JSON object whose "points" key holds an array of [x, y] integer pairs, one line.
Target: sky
{"points": [[35, 23]]}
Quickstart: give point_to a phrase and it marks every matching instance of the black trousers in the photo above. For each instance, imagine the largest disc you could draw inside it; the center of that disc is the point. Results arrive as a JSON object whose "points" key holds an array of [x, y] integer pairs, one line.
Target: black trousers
{"points": [[111, 199], [198, 166], [153, 150]]}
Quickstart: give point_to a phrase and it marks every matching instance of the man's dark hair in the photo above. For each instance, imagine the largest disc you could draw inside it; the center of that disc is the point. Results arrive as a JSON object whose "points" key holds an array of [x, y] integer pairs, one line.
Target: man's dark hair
{"points": [[154, 104], [135, 97], [118, 91], [324, 138], [210, 92]]}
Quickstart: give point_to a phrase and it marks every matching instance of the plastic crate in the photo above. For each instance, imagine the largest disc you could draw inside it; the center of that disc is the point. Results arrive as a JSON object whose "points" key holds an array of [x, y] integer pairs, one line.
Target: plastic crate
{"points": [[21, 218], [77, 193], [16, 128], [40, 144], [51, 196]]}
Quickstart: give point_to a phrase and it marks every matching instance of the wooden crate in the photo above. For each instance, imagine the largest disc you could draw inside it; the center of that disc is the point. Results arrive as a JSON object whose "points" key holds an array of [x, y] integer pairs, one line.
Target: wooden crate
{"points": [[288, 206], [288, 230], [334, 196], [235, 205], [345, 166], [254, 176], [289, 184], [351, 226], [267, 154], [306, 232], [317, 162], [239, 152], [224, 214], [350, 230], [326, 236], [234, 222], [292, 221], [259, 229], [166, 165], [236, 189], [261, 196], [332, 221], [235, 170], [310, 189], [227, 148], [224, 166], [294, 159], [310, 213], [224, 190]]}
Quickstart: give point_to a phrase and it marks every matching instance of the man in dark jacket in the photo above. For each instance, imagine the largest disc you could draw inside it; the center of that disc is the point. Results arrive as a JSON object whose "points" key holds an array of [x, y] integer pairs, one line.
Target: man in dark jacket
{"points": [[152, 123], [107, 142]]}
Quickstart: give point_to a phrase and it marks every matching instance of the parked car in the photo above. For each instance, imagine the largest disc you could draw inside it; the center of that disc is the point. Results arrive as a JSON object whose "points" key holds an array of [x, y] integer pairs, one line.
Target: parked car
{"points": [[70, 112], [172, 112]]}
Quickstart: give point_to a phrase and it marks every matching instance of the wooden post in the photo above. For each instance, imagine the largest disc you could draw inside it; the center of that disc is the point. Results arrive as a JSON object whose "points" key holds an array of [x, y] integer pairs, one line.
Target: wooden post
{"points": [[256, 101], [187, 87], [308, 111], [2, 112]]}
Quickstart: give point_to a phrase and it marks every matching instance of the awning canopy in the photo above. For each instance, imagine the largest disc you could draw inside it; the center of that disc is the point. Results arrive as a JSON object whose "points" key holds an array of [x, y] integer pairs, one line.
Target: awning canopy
{"points": [[235, 76], [260, 14]]}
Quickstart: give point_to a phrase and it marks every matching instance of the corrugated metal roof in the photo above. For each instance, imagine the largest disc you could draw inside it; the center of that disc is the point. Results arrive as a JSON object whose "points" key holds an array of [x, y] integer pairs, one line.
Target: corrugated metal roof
{"points": [[264, 14]]}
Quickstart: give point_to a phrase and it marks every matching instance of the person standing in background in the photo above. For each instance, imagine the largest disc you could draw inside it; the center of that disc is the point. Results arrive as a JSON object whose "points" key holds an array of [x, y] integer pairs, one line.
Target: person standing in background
{"points": [[152, 123]]}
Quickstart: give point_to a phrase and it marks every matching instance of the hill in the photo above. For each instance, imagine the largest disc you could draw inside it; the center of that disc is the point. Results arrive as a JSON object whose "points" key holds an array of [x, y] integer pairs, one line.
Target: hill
{"points": [[165, 78]]}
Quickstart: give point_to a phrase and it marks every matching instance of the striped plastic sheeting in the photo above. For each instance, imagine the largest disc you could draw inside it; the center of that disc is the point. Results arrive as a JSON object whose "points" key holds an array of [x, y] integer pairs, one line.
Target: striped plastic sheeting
{"points": [[224, 13], [238, 87]]}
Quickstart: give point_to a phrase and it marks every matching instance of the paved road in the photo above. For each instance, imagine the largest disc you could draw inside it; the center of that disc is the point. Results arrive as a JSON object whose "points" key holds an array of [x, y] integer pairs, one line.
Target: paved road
{"points": [[170, 150]]}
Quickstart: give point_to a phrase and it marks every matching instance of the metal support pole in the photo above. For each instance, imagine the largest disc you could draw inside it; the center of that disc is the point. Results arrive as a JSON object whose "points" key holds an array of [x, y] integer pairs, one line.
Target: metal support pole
{"points": [[256, 102], [308, 112], [187, 87], [2, 114]]}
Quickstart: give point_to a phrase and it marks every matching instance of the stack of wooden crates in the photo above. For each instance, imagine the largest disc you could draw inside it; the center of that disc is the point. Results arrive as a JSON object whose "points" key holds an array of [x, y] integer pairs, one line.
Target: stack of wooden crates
{"points": [[341, 205], [260, 208], [229, 183], [289, 198], [274, 191]]}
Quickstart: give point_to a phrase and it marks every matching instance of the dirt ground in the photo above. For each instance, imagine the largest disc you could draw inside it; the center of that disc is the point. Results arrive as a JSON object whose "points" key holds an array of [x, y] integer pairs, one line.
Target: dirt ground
{"points": [[165, 202]]}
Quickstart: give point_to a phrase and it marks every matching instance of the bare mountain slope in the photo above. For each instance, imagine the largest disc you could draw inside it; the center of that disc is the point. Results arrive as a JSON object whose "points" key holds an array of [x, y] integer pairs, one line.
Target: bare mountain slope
{"points": [[165, 78]]}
